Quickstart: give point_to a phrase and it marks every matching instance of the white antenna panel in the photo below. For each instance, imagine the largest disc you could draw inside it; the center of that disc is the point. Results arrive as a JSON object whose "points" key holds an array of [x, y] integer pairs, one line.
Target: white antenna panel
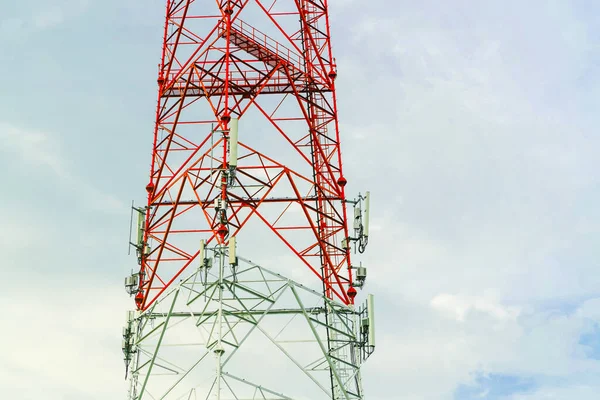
{"points": [[366, 222], [201, 253], [130, 316], [232, 255], [371, 314], [233, 142], [357, 217]]}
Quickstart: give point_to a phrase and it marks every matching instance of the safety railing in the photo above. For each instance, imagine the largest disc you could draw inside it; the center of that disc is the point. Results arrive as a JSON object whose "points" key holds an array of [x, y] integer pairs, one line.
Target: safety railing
{"points": [[255, 38], [243, 79]]}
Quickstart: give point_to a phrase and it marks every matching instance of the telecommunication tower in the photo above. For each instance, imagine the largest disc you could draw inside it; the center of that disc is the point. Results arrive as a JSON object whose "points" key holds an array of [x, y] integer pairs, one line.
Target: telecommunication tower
{"points": [[245, 287]]}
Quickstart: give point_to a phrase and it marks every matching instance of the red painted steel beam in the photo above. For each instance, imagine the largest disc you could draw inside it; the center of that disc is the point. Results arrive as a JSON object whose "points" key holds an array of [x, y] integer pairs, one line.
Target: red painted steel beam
{"points": [[239, 59]]}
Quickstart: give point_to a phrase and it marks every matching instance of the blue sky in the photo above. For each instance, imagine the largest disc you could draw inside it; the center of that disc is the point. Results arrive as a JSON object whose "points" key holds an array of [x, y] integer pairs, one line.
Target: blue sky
{"points": [[473, 125]]}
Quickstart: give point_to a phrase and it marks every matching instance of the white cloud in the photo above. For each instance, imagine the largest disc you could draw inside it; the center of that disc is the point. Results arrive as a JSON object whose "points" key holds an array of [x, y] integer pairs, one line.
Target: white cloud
{"points": [[579, 392], [455, 111], [459, 306], [39, 17], [57, 333], [590, 310], [10, 26], [43, 150], [48, 19], [418, 348], [35, 148]]}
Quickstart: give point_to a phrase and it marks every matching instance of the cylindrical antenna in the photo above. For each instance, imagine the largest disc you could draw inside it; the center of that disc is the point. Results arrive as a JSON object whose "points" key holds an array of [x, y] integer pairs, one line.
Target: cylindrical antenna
{"points": [[233, 142], [232, 255], [140, 233], [130, 316], [130, 229], [371, 316], [201, 253], [366, 221], [357, 216]]}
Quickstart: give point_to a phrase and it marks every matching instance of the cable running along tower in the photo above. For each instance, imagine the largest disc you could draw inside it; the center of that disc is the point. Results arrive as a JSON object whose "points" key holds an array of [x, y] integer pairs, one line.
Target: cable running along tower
{"points": [[244, 287]]}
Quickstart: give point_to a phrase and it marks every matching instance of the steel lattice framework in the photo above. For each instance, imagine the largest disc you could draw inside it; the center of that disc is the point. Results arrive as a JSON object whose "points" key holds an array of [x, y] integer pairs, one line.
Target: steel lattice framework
{"points": [[278, 190]]}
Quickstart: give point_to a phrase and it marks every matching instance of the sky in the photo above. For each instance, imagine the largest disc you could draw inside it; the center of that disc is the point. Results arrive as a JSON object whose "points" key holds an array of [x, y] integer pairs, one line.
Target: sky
{"points": [[473, 124]]}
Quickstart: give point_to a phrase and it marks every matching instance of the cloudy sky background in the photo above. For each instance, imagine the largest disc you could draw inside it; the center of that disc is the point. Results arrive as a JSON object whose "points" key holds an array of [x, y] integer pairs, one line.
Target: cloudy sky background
{"points": [[474, 124]]}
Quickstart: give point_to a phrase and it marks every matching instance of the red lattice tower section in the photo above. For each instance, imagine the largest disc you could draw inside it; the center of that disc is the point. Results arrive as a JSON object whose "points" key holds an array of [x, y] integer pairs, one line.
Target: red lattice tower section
{"points": [[218, 68]]}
